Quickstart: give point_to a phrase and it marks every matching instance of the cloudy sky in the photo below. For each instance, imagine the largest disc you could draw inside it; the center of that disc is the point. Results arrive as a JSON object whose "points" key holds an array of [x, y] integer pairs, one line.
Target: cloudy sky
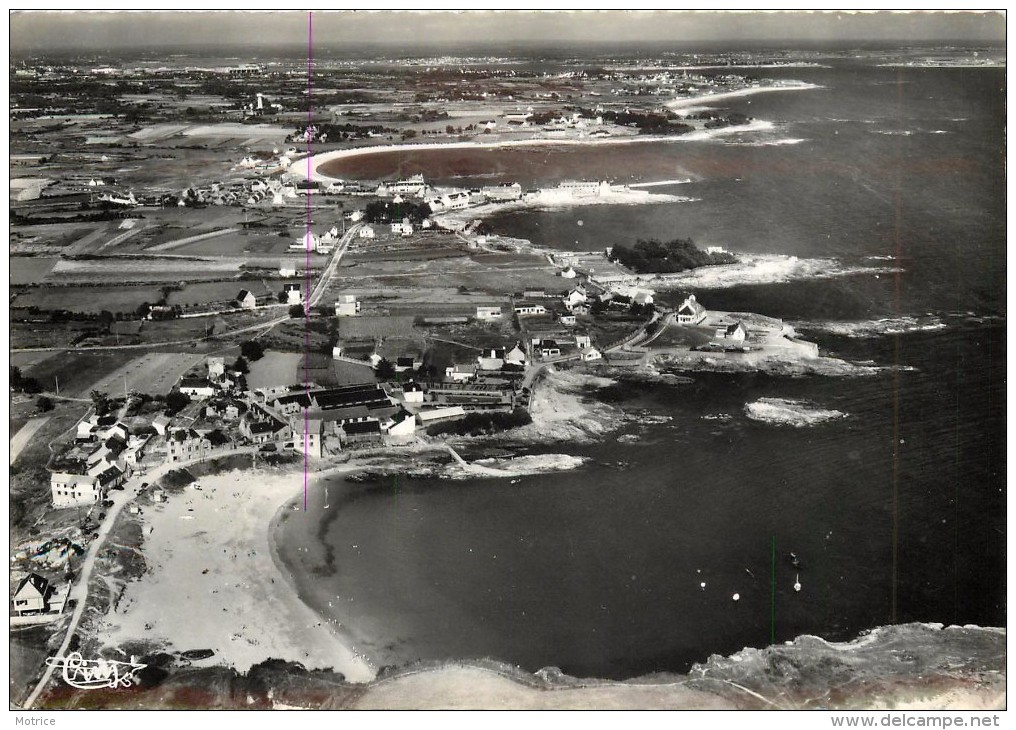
{"points": [[30, 30]]}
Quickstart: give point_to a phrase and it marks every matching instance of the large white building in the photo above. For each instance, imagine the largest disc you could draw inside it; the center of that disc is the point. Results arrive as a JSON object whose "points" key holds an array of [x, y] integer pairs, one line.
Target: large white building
{"points": [[73, 490], [347, 306]]}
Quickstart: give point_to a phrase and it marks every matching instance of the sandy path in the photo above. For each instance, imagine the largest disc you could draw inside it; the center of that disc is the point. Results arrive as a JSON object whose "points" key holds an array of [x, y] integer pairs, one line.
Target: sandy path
{"points": [[213, 582], [24, 436]]}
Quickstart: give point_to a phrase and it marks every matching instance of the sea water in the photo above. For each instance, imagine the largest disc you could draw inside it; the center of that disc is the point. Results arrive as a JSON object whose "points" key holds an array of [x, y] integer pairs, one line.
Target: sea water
{"points": [[896, 511]]}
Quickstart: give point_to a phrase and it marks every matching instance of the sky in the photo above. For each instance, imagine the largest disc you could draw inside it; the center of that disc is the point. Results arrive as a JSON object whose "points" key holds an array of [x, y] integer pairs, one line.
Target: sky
{"points": [[35, 30]]}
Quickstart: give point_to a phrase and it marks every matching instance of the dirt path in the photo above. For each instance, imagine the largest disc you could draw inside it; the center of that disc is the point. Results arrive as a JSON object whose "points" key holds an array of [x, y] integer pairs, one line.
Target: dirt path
{"points": [[24, 436]]}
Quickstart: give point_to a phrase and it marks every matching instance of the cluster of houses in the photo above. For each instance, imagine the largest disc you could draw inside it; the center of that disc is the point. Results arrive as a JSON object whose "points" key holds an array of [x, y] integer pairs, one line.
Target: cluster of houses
{"points": [[323, 244], [104, 455], [292, 293]]}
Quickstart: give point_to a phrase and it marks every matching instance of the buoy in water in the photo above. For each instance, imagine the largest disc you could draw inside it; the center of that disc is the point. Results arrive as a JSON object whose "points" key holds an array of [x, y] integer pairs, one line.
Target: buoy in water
{"points": [[797, 583], [736, 596], [702, 585]]}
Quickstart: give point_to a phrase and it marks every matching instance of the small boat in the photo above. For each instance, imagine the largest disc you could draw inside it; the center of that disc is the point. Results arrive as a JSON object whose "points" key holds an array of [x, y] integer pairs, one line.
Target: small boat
{"points": [[794, 560], [797, 583]]}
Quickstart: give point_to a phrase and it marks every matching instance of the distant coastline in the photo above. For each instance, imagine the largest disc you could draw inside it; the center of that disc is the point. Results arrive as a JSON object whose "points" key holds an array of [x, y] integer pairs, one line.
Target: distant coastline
{"points": [[310, 168]]}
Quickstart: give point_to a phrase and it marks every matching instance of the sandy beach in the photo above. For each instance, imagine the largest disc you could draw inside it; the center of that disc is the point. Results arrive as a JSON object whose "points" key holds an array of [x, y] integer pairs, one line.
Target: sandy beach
{"points": [[214, 583], [308, 168], [701, 101]]}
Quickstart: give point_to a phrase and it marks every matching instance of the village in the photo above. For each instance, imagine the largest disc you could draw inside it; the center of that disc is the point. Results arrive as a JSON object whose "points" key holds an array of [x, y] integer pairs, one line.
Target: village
{"points": [[188, 286]]}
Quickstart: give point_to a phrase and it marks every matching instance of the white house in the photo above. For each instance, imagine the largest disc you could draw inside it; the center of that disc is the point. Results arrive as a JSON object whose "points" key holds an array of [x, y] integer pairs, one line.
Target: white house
{"points": [[293, 292], [347, 306], [583, 341], [86, 429], [71, 490], [643, 297], [246, 299], [160, 423], [308, 438], [117, 430], [400, 427], [460, 373], [549, 348], [486, 314], [412, 393], [575, 297], [287, 269], [216, 367], [529, 310], [491, 359], [436, 414], [198, 387], [135, 450], [690, 311], [569, 273], [735, 333], [309, 242], [405, 228], [590, 353], [515, 356], [32, 594], [366, 232], [568, 320]]}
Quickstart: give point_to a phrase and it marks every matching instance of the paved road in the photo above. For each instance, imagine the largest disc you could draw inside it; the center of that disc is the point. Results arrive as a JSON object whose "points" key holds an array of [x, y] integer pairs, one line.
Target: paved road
{"points": [[24, 436], [329, 271]]}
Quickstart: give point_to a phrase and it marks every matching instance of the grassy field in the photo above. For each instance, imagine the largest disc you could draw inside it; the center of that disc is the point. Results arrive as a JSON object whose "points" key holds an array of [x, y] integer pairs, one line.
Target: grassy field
{"points": [[30, 269], [45, 334], [25, 360], [373, 328], [495, 274], [88, 298], [274, 369], [346, 373], [237, 244], [678, 336], [212, 291], [78, 371]]}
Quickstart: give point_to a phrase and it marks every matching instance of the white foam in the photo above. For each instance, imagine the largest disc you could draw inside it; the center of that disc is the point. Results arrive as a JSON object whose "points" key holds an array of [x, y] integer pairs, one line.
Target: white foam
{"points": [[768, 142], [765, 269], [533, 464], [877, 327], [658, 183], [787, 412]]}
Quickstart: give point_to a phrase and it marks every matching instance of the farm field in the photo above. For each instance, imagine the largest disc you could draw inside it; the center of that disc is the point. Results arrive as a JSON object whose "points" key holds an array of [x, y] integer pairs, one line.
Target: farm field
{"points": [[491, 273], [88, 298], [274, 369], [143, 269], [374, 328], [237, 243], [30, 269], [78, 371], [347, 373], [25, 360], [153, 372]]}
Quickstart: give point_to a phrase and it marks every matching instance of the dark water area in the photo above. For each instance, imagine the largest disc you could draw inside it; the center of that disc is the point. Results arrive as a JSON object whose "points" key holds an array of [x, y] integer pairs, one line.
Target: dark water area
{"points": [[897, 511]]}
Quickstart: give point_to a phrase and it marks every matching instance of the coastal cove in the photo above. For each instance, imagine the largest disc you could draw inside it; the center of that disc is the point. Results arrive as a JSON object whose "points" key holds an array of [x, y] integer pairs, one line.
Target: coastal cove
{"points": [[596, 569], [610, 375], [602, 564]]}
